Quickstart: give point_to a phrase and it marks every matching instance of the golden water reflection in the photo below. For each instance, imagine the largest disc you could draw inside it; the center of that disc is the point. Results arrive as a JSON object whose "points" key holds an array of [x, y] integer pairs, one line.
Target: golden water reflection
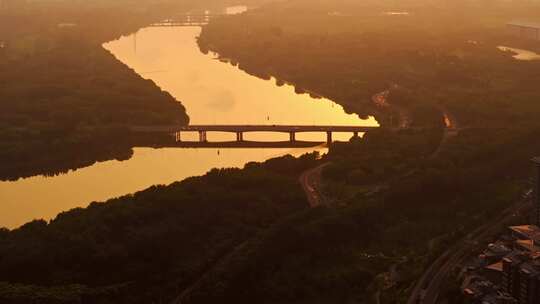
{"points": [[520, 54], [212, 92]]}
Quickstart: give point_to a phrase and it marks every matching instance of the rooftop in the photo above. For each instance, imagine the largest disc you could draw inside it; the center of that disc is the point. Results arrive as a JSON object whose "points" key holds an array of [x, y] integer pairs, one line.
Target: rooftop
{"points": [[515, 257], [530, 232], [528, 245], [478, 287], [497, 249], [498, 298], [495, 267], [531, 268]]}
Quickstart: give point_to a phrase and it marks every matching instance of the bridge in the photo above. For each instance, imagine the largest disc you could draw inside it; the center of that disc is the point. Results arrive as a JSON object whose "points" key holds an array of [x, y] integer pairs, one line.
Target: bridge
{"points": [[175, 133], [187, 20], [233, 144]]}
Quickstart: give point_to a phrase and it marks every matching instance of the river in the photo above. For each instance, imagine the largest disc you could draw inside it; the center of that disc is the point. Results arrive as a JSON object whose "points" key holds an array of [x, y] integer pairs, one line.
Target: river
{"points": [[520, 54], [212, 92]]}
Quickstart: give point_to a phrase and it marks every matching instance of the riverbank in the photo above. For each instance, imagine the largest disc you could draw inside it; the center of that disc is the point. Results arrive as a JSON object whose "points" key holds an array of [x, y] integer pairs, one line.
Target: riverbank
{"points": [[359, 57], [212, 92], [146, 246], [246, 236], [67, 100], [74, 115], [439, 74], [203, 245]]}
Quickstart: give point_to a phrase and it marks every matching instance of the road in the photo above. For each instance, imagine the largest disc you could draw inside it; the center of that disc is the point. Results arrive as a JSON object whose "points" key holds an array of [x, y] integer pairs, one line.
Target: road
{"points": [[428, 287], [450, 123], [381, 100], [451, 129], [311, 183]]}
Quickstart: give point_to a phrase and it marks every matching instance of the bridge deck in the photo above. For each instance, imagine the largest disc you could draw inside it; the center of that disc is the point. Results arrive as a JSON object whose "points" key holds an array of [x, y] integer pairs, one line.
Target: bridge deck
{"points": [[253, 128], [178, 24], [235, 144]]}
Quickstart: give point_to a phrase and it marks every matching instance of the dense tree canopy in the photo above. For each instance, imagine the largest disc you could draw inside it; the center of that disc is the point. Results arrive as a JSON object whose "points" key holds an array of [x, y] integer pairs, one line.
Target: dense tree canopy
{"points": [[66, 102], [349, 52], [148, 245], [396, 198]]}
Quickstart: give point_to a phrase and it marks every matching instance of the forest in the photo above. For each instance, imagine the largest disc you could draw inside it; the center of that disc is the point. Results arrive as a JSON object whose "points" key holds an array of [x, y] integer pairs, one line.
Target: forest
{"points": [[67, 102], [62, 109], [399, 209], [242, 235], [391, 215], [397, 198], [145, 247], [348, 51]]}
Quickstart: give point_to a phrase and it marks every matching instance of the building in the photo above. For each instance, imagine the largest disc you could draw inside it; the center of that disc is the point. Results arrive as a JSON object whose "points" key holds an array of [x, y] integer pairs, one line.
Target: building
{"points": [[529, 290], [526, 232], [478, 290], [521, 268], [508, 270], [499, 298], [511, 278], [495, 252], [527, 30]]}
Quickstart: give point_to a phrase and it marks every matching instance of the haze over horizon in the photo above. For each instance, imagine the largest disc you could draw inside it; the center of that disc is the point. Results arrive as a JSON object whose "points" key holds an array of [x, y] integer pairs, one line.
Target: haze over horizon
{"points": [[269, 151]]}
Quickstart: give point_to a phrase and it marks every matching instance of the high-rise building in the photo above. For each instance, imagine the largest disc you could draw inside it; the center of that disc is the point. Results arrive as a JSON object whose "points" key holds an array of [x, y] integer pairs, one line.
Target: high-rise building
{"points": [[529, 290], [510, 279]]}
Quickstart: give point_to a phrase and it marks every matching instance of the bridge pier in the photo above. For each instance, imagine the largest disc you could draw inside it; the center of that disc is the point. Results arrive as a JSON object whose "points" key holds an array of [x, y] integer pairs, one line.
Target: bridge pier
{"points": [[202, 136], [292, 136], [329, 137], [178, 136], [239, 136]]}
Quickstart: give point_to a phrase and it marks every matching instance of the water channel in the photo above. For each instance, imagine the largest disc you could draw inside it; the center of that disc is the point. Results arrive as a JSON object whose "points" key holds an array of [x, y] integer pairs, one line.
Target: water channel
{"points": [[212, 91], [520, 54]]}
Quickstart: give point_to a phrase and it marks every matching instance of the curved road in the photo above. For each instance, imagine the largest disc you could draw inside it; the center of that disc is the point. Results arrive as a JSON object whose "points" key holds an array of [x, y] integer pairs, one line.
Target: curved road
{"points": [[381, 100], [311, 183], [428, 287]]}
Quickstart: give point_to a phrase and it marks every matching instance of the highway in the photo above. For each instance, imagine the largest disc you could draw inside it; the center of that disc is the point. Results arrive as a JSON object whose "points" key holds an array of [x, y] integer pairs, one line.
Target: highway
{"points": [[428, 287]]}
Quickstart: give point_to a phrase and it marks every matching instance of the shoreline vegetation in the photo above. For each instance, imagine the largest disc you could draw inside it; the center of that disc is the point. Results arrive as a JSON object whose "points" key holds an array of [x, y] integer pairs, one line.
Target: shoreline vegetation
{"points": [[434, 69], [67, 102], [421, 58], [58, 126], [248, 236], [142, 247]]}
